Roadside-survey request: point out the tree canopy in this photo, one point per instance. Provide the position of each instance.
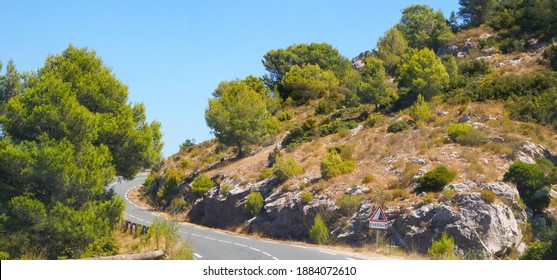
(239, 116)
(423, 27)
(68, 131)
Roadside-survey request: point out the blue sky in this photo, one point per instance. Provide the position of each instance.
(173, 54)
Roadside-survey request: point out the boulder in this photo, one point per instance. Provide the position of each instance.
(530, 151)
(286, 217)
(462, 187)
(474, 224)
(226, 211)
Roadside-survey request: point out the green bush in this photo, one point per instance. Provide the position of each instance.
(266, 173)
(4, 255)
(368, 179)
(201, 185)
(442, 249)
(348, 204)
(531, 183)
(336, 126)
(306, 197)
(538, 250)
(318, 233)
(475, 67)
(420, 110)
(449, 193)
(185, 163)
(225, 189)
(286, 168)
(488, 196)
(398, 127)
(333, 165)
(177, 206)
(464, 134)
(326, 107)
(509, 45)
(435, 180)
(254, 203)
(105, 246)
(285, 115)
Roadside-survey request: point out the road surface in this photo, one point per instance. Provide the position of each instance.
(215, 245)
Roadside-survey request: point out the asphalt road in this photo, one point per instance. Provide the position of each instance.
(215, 245)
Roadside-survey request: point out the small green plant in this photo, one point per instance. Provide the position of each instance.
(201, 184)
(225, 189)
(4, 255)
(348, 204)
(266, 173)
(488, 196)
(464, 134)
(254, 203)
(185, 163)
(306, 197)
(435, 180)
(286, 168)
(285, 115)
(337, 161)
(105, 246)
(368, 179)
(398, 127)
(449, 193)
(442, 249)
(420, 110)
(531, 183)
(177, 206)
(318, 233)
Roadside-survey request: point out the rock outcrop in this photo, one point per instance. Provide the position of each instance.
(285, 216)
(474, 224)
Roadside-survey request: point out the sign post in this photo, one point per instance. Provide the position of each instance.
(378, 221)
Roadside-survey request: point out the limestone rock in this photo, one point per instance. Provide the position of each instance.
(473, 223)
(531, 151)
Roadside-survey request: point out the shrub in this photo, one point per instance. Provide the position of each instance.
(334, 165)
(254, 203)
(509, 45)
(225, 189)
(105, 246)
(435, 180)
(335, 126)
(531, 183)
(285, 115)
(188, 143)
(464, 134)
(185, 163)
(306, 197)
(488, 196)
(398, 127)
(449, 193)
(475, 67)
(348, 204)
(318, 233)
(4, 255)
(266, 173)
(537, 250)
(420, 110)
(368, 179)
(201, 185)
(326, 107)
(284, 169)
(442, 248)
(177, 206)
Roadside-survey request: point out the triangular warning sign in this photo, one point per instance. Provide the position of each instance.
(378, 215)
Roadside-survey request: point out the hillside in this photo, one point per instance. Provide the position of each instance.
(452, 135)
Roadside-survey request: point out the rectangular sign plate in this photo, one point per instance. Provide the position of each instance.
(377, 225)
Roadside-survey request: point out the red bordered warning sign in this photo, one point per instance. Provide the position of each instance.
(378, 219)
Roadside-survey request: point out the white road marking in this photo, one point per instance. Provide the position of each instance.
(299, 246)
(255, 249)
(243, 237)
(325, 252)
(351, 259)
(196, 235)
(267, 254)
(210, 238)
(275, 258)
(223, 241)
(241, 245)
(197, 255)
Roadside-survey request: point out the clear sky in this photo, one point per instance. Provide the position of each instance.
(173, 54)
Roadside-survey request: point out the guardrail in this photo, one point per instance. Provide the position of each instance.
(133, 227)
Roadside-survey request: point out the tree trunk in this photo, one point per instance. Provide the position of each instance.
(240, 150)
(143, 256)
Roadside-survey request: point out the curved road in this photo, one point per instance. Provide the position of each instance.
(215, 245)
